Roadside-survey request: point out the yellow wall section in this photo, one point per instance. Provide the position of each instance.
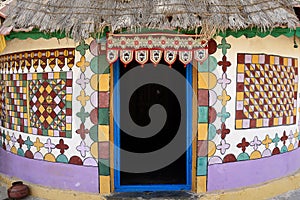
(201, 184)
(103, 133)
(94, 149)
(264, 191)
(202, 131)
(104, 184)
(30, 44)
(206, 80)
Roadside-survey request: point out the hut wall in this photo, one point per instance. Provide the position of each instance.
(253, 112)
(247, 113)
(46, 129)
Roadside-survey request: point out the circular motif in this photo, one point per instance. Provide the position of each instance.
(211, 148)
(209, 65)
(62, 159)
(213, 97)
(94, 99)
(284, 149)
(229, 158)
(212, 46)
(99, 65)
(255, 155)
(20, 152)
(276, 151)
(215, 160)
(28, 154)
(94, 133)
(90, 162)
(291, 147)
(94, 116)
(94, 150)
(7, 147)
(243, 156)
(49, 157)
(94, 82)
(207, 80)
(267, 153)
(13, 150)
(94, 48)
(212, 115)
(75, 160)
(212, 131)
(38, 156)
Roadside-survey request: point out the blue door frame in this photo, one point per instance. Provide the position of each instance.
(162, 187)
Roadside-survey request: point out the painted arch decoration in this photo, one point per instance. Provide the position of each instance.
(154, 47)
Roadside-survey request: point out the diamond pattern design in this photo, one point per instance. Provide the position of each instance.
(50, 104)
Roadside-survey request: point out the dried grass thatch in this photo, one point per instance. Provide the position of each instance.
(80, 18)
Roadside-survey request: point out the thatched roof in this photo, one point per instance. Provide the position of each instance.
(80, 18)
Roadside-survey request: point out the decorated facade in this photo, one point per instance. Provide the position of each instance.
(61, 104)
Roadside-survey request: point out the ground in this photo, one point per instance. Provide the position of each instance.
(3, 194)
(292, 195)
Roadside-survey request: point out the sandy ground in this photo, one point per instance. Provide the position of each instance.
(292, 195)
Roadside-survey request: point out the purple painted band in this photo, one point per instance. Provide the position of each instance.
(55, 175)
(246, 173)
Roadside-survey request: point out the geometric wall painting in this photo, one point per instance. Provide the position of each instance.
(16, 102)
(37, 103)
(267, 88)
(2, 100)
(50, 104)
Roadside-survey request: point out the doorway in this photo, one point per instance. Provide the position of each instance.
(175, 175)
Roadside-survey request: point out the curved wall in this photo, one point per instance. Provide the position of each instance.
(254, 135)
(241, 141)
(44, 141)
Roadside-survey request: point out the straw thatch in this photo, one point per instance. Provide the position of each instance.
(80, 18)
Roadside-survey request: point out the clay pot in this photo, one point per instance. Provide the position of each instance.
(18, 190)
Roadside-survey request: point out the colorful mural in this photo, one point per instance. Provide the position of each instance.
(37, 60)
(55, 112)
(40, 104)
(266, 91)
(206, 113)
(93, 101)
(266, 96)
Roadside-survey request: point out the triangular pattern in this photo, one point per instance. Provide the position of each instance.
(269, 90)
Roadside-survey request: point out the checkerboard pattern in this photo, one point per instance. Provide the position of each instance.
(2, 100)
(16, 102)
(266, 91)
(37, 103)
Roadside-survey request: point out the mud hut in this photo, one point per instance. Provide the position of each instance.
(105, 96)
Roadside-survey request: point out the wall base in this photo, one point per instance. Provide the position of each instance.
(263, 191)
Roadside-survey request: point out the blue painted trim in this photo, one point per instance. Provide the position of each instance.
(189, 122)
(144, 188)
(163, 187)
(116, 110)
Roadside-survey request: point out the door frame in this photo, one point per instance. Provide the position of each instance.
(189, 123)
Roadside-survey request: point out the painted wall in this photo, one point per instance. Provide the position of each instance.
(227, 149)
(252, 141)
(46, 114)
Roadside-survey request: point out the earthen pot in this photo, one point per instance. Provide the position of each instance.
(18, 190)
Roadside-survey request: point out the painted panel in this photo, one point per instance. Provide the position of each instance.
(38, 103)
(266, 91)
(233, 141)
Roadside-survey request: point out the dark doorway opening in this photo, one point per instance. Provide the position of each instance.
(141, 101)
